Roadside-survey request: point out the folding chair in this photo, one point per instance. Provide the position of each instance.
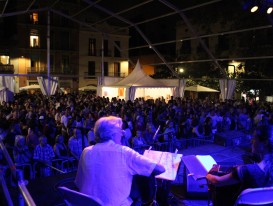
(256, 196)
(74, 198)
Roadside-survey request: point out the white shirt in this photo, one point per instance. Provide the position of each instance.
(106, 171)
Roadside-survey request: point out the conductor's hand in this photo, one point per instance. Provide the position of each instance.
(214, 169)
(158, 170)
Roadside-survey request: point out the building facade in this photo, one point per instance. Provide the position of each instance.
(51, 44)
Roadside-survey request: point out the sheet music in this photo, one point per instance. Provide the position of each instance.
(207, 161)
(198, 165)
(169, 160)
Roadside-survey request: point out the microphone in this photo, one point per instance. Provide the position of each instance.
(156, 132)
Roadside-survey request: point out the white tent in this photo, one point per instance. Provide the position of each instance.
(138, 84)
(88, 88)
(30, 87)
(199, 88)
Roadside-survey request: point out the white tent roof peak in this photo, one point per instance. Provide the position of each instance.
(138, 78)
(199, 88)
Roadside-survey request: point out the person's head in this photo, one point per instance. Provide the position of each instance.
(43, 140)
(262, 141)
(139, 133)
(59, 139)
(108, 128)
(20, 141)
(77, 132)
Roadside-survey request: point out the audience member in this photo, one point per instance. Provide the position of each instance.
(138, 142)
(76, 143)
(43, 155)
(60, 148)
(21, 152)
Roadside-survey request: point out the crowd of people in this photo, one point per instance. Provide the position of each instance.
(37, 129)
(40, 128)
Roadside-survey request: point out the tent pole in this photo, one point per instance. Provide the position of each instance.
(48, 54)
(102, 60)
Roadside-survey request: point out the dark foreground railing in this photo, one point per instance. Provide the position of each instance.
(24, 196)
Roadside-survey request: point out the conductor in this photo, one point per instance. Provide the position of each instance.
(106, 169)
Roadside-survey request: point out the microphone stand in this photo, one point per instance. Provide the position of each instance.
(154, 202)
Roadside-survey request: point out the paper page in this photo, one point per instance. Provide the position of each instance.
(153, 155)
(207, 161)
(170, 161)
(198, 165)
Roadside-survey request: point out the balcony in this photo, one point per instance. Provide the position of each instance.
(43, 70)
(6, 69)
(109, 74)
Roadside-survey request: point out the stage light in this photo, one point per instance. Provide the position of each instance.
(269, 10)
(254, 8)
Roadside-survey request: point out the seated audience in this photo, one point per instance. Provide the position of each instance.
(21, 152)
(60, 149)
(43, 155)
(138, 142)
(76, 143)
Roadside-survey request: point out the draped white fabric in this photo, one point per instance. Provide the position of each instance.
(48, 87)
(182, 85)
(154, 92)
(136, 92)
(6, 95)
(8, 82)
(100, 81)
(112, 92)
(227, 87)
(99, 91)
(7, 88)
(132, 93)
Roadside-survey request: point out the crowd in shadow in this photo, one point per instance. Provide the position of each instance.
(50, 132)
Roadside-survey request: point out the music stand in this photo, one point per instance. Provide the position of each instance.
(171, 162)
(75, 198)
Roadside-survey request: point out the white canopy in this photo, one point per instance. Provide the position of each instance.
(138, 78)
(138, 84)
(29, 87)
(87, 88)
(199, 88)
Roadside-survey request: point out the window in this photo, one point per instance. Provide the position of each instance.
(117, 50)
(105, 46)
(65, 42)
(105, 69)
(92, 47)
(185, 47)
(91, 68)
(4, 59)
(34, 41)
(35, 64)
(52, 68)
(200, 48)
(116, 69)
(52, 40)
(34, 18)
(65, 64)
(223, 43)
(34, 38)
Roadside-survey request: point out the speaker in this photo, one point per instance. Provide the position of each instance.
(195, 188)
